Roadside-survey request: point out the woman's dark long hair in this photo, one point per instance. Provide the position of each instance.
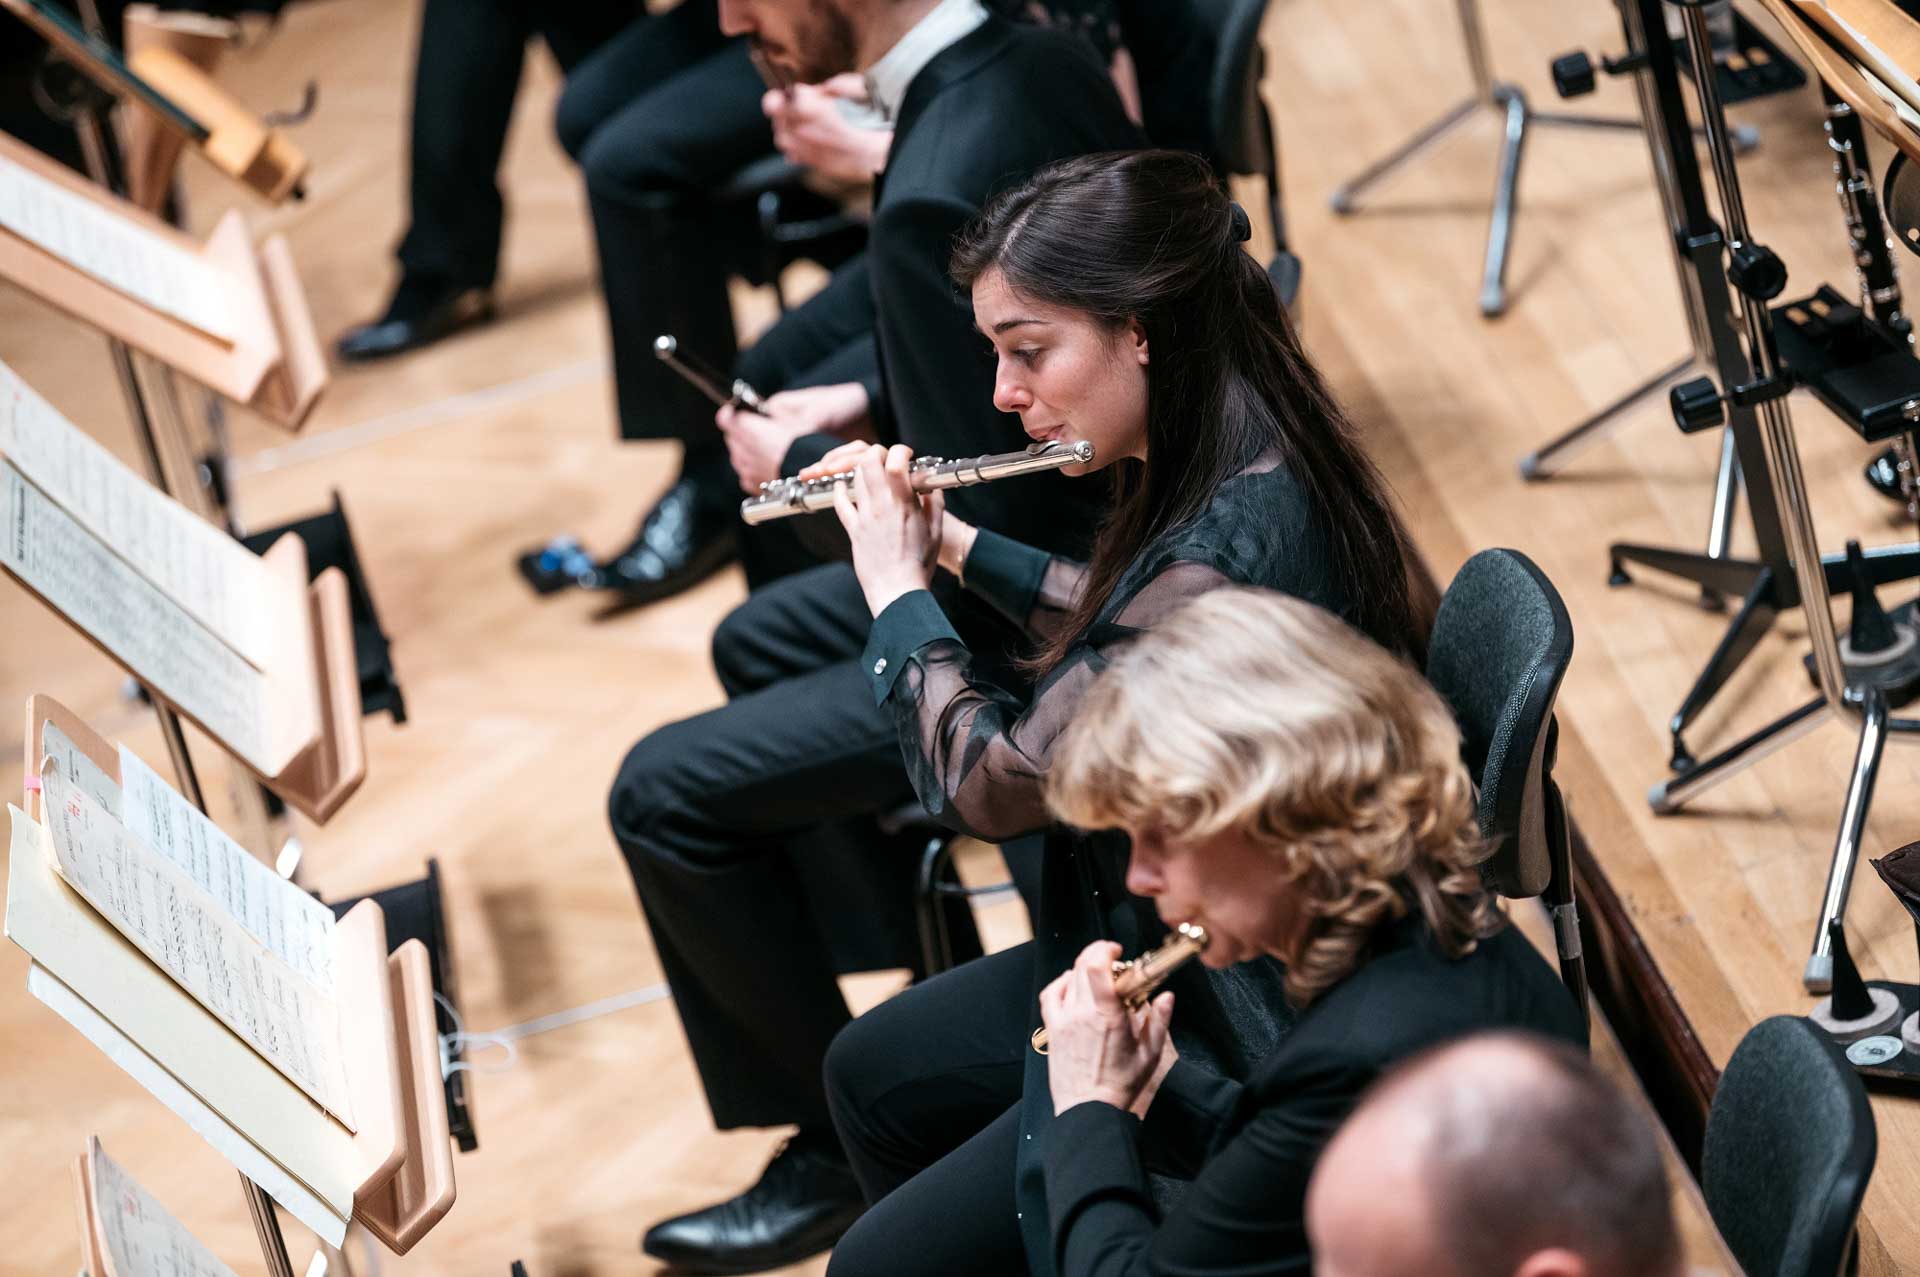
(1150, 236)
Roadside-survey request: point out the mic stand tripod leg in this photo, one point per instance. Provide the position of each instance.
(1506, 201)
(1818, 976)
(1669, 796)
(1726, 500)
(1546, 460)
(1346, 199)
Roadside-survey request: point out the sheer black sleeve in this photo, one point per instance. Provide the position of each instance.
(1030, 587)
(977, 758)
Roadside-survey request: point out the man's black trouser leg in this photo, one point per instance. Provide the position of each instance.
(466, 74)
(708, 813)
(666, 245)
(924, 1091)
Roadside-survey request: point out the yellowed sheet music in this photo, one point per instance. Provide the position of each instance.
(129, 616)
(118, 253)
(151, 902)
(140, 1237)
(94, 783)
(293, 926)
(245, 1108)
(222, 583)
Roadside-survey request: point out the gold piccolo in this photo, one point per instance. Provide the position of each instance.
(782, 497)
(1136, 981)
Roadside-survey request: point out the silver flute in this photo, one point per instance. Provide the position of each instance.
(782, 497)
(667, 350)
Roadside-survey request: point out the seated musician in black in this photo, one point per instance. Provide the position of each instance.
(1298, 792)
(1124, 312)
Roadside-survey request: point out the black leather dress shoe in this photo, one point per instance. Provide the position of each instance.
(804, 1201)
(422, 312)
(1883, 476)
(691, 534)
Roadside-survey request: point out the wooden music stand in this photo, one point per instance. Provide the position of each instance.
(172, 92)
(304, 739)
(394, 1174)
(270, 359)
(149, 148)
(1846, 41)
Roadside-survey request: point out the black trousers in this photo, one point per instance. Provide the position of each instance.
(745, 831)
(659, 119)
(465, 76)
(924, 1091)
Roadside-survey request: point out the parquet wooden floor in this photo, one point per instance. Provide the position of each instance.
(452, 460)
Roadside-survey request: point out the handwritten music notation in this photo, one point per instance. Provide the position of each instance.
(204, 949)
(140, 1236)
(293, 926)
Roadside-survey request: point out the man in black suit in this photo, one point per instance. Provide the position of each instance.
(707, 811)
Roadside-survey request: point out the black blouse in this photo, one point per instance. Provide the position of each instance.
(1251, 1148)
(977, 754)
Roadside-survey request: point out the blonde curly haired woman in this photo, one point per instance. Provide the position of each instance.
(1298, 791)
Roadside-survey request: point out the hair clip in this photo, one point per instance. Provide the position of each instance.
(1242, 224)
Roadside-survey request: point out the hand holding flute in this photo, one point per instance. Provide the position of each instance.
(1106, 1037)
(759, 429)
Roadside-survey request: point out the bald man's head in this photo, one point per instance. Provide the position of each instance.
(1502, 1155)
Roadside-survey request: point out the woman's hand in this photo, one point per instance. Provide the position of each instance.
(810, 130)
(894, 531)
(757, 443)
(841, 460)
(1096, 1048)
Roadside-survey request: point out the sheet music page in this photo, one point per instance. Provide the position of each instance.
(294, 926)
(292, 1025)
(126, 257)
(154, 636)
(93, 782)
(142, 1239)
(218, 580)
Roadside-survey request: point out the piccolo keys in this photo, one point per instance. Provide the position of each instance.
(1136, 981)
(782, 497)
(667, 350)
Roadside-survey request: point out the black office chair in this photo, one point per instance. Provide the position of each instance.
(796, 222)
(1500, 647)
(1789, 1149)
(1243, 138)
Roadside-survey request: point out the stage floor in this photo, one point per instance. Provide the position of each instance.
(453, 460)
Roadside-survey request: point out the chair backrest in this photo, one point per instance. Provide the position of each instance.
(1238, 121)
(1789, 1148)
(1501, 644)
